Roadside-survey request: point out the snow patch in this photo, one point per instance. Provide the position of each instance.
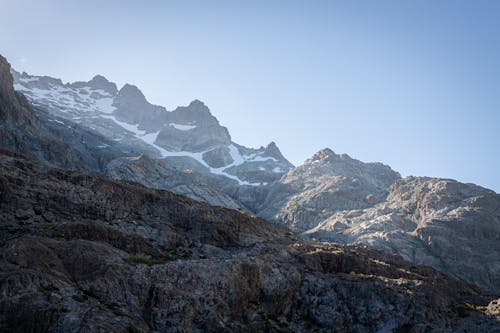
(131, 128)
(28, 79)
(56, 121)
(182, 127)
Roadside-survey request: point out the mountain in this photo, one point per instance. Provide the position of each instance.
(65, 143)
(442, 223)
(21, 130)
(91, 240)
(156, 173)
(188, 137)
(451, 226)
(83, 253)
(324, 184)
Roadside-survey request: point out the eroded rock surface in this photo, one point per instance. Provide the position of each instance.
(82, 253)
(324, 184)
(451, 226)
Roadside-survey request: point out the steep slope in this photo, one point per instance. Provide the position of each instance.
(190, 137)
(451, 226)
(156, 173)
(61, 142)
(82, 253)
(21, 130)
(324, 184)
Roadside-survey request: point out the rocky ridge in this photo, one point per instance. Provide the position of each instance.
(156, 173)
(451, 226)
(324, 184)
(83, 253)
(191, 137)
(64, 143)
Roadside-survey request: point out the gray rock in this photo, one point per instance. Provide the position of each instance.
(120, 257)
(451, 226)
(189, 134)
(157, 174)
(324, 184)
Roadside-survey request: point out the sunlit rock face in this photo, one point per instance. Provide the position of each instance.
(442, 223)
(324, 184)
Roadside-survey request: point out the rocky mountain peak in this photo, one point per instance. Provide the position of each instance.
(272, 150)
(100, 82)
(327, 155)
(131, 92)
(6, 81)
(324, 184)
(14, 108)
(197, 104)
(196, 111)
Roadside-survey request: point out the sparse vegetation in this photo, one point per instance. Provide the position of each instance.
(48, 288)
(479, 308)
(119, 312)
(80, 298)
(147, 260)
(464, 310)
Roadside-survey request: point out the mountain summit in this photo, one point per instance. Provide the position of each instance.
(189, 136)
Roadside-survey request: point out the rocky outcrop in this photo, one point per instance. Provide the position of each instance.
(82, 253)
(451, 226)
(21, 131)
(324, 184)
(157, 174)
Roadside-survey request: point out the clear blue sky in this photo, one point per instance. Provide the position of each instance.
(414, 84)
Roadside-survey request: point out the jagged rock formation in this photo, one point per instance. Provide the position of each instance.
(82, 253)
(451, 226)
(190, 137)
(324, 184)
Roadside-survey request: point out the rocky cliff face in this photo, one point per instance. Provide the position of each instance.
(324, 184)
(451, 226)
(445, 224)
(82, 253)
(189, 137)
(21, 130)
(157, 174)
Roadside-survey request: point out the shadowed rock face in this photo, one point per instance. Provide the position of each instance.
(20, 129)
(82, 253)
